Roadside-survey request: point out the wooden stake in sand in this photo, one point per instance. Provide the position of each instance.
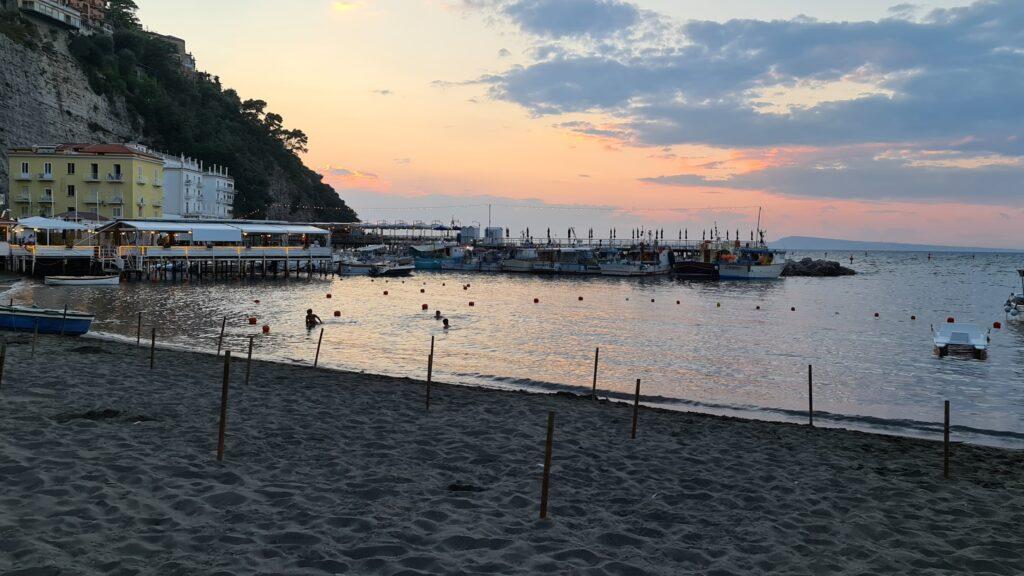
(945, 443)
(138, 332)
(3, 360)
(430, 370)
(63, 319)
(152, 347)
(318, 341)
(810, 395)
(248, 362)
(220, 341)
(636, 408)
(224, 405)
(597, 354)
(546, 482)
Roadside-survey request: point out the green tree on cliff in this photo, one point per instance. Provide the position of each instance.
(121, 14)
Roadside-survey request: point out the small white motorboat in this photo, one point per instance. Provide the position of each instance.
(961, 336)
(1015, 303)
(113, 280)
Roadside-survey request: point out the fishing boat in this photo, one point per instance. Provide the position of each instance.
(640, 262)
(961, 336)
(522, 260)
(1015, 303)
(402, 266)
(46, 321)
(112, 280)
(751, 263)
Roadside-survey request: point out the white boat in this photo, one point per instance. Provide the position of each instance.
(961, 336)
(642, 262)
(82, 280)
(522, 260)
(746, 262)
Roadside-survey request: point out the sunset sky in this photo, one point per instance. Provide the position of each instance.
(858, 120)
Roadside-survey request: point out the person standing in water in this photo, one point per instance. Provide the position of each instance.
(312, 319)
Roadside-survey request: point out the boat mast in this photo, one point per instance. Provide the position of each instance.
(759, 221)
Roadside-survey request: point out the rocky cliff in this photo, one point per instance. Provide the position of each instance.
(45, 98)
(56, 87)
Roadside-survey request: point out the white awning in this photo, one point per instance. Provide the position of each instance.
(279, 229)
(158, 226)
(215, 233)
(40, 223)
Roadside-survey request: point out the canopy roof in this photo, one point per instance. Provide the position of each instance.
(41, 223)
(216, 231)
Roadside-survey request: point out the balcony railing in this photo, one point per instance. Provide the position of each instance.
(45, 176)
(46, 198)
(24, 176)
(116, 177)
(115, 200)
(141, 180)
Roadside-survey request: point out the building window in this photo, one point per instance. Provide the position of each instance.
(48, 169)
(71, 189)
(71, 168)
(116, 211)
(24, 167)
(94, 171)
(47, 192)
(117, 170)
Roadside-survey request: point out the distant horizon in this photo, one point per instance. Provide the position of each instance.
(876, 246)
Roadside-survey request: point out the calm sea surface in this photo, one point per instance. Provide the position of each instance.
(869, 373)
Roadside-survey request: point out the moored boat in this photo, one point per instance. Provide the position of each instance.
(46, 321)
(958, 335)
(112, 280)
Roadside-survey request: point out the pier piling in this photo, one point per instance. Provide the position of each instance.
(224, 405)
(636, 409)
(597, 355)
(138, 332)
(945, 442)
(152, 347)
(810, 395)
(546, 481)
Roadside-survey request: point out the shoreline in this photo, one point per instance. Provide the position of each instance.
(110, 468)
(921, 430)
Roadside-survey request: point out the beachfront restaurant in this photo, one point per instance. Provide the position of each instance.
(214, 239)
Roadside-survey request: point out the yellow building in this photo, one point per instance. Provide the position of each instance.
(112, 180)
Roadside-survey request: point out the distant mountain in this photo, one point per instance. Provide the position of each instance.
(812, 243)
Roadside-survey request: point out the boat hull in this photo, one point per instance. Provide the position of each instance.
(24, 319)
(750, 271)
(82, 280)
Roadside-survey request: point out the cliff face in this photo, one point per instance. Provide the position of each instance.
(45, 99)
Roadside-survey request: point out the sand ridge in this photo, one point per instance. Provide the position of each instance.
(109, 468)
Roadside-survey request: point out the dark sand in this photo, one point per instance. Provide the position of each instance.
(107, 467)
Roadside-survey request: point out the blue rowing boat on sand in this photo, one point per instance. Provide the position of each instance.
(31, 318)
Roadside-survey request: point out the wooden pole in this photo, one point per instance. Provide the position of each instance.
(3, 360)
(248, 362)
(318, 341)
(220, 341)
(63, 319)
(636, 408)
(546, 482)
(430, 370)
(810, 395)
(224, 405)
(945, 443)
(597, 354)
(138, 332)
(152, 347)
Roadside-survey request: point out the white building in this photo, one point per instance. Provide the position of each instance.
(194, 191)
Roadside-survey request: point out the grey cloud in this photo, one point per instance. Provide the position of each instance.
(557, 18)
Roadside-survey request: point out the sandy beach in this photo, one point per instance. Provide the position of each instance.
(107, 467)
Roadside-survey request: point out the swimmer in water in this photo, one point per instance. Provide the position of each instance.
(437, 315)
(445, 322)
(312, 319)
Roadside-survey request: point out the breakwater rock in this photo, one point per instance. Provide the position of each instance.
(812, 267)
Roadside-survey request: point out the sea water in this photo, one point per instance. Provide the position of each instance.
(738, 348)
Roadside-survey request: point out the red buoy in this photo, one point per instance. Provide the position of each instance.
(580, 298)
(472, 303)
(422, 290)
(997, 325)
(950, 320)
(913, 317)
(385, 292)
(465, 287)
(425, 307)
(266, 329)
(757, 308)
(536, 300)
(792, 308)
(328, 295)
(652, 299)
(337, 313)
(876, 314)
(252, 320)
(256, 301)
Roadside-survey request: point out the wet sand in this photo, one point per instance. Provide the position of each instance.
(107, 467)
